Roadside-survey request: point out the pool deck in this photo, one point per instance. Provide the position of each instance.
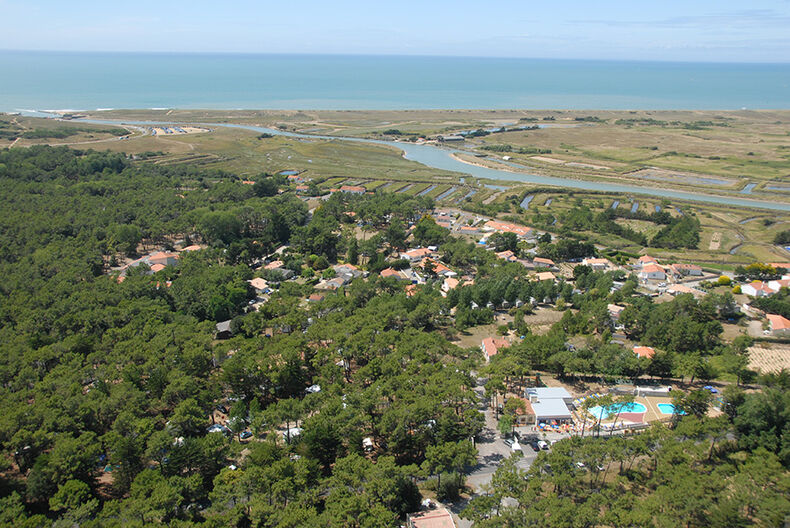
(651, 414)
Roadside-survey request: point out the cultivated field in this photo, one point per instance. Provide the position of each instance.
(769, 357)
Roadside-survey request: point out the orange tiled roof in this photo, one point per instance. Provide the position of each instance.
(644, 351)
(652, 268)
(508, 228)
(390, 272)
(778, 322)
(493, 344)
(541, 260)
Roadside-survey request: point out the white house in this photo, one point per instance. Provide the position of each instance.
(598, 264)
(450, 283)
(652, 272)
(777, 285)
(683, 270)
(757, 289)
(644, 260)
(779, 325)
(491, 345)
(415, 255)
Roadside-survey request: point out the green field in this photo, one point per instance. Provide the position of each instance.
(23, 131)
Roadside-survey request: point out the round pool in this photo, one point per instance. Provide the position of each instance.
(668, 408)
(603, 413)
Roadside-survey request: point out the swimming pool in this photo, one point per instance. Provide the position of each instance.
(668, 408)
(605, 412)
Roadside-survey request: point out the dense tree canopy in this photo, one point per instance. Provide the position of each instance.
(102, 378)
(325, 412)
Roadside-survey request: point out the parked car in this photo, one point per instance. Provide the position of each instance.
(508, 442)
(543, 445)
(222, 409)
(535, 446)
(245, 435)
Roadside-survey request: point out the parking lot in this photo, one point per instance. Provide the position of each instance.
(492, 449)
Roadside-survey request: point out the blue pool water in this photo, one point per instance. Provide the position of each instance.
(668, 408)
(604, 412)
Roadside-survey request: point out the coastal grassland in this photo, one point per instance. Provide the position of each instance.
(370, 123)
(649, 229)
(352, 123)
(242, 152)
(21, 131)
(737, 147)
(683, 149)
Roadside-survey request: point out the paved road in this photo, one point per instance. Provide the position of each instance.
(491, 451)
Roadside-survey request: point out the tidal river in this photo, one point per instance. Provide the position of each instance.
(442, 158)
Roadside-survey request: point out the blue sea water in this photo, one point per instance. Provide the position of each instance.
(85, 81)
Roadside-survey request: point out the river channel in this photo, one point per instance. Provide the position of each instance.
(442, 158)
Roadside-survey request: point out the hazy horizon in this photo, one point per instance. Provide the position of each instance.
(394, 55)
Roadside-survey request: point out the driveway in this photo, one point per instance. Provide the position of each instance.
(756, 328)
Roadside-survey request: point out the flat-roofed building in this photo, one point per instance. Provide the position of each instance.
(550, 404)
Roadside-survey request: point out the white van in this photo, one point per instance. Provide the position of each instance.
(543, 445)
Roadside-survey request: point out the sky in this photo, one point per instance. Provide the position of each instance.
(667, 30)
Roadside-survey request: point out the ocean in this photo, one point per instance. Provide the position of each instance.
(87, 81)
